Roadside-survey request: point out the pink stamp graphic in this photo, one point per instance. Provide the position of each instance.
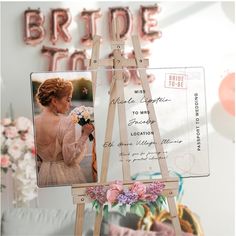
(176, 81)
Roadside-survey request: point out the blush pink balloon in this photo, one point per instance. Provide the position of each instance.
(124, 15)
(226, 93)
(34, 32)
(60, 21)
(148, 23)
(54, 55)
(77, 60)
(90, 18)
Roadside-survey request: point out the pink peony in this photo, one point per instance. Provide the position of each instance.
(114, 190)
(139, 188)
(5, 161)
(11, 132)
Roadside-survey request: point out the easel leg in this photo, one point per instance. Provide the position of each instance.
(97, 225)
(174, 215)
(79, 219)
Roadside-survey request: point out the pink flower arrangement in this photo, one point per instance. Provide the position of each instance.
(134, 196)
(18, 155)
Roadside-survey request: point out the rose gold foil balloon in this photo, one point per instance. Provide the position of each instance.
(60, 21)
(34, 32)
(54, 55)
(77, 60)
(124, 15)
(227, 93)
(147, 23)
(90, 18)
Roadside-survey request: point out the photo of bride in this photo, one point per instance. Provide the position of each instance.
(64, 129)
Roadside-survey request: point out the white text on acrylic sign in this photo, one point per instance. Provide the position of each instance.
(35, 31)
(179, 100)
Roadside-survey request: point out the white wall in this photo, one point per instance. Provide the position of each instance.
(194, 34)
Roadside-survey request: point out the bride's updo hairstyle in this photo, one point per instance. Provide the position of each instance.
(53, 88)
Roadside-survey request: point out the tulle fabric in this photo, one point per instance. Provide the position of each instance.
(61, 158)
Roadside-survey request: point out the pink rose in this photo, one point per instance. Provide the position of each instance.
(114, 190)
(138, 188)
(11, 132)
(5, 161)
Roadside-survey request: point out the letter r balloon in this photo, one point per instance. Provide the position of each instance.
(60, 21)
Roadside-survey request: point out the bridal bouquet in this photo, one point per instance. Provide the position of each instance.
(82, 116)
(17, 155)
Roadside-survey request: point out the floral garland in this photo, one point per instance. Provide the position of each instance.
(134, 197)
(18, 155)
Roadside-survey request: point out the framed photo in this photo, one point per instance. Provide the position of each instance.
(62, 104)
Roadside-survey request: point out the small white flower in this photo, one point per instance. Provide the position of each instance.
(11, 132)
(81, 109)
(6, 121)
(90, 110)
(86, 115)
(23, 124)
(16, 148)
(29, 141)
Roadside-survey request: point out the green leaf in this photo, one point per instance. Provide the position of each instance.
(122, 209)
(137, 209)
(152, 208)
(96, 205)
(141, 202)
(105, 212)
(160, 202)
(4, 169)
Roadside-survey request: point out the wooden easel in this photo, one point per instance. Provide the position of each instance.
(117, 90)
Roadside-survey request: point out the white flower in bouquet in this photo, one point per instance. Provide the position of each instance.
(6, 121)
(27, 193)
(29, 141)
(16, 148)
(81, 109)
(23, 124)
(11, 132)
(86, 115)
